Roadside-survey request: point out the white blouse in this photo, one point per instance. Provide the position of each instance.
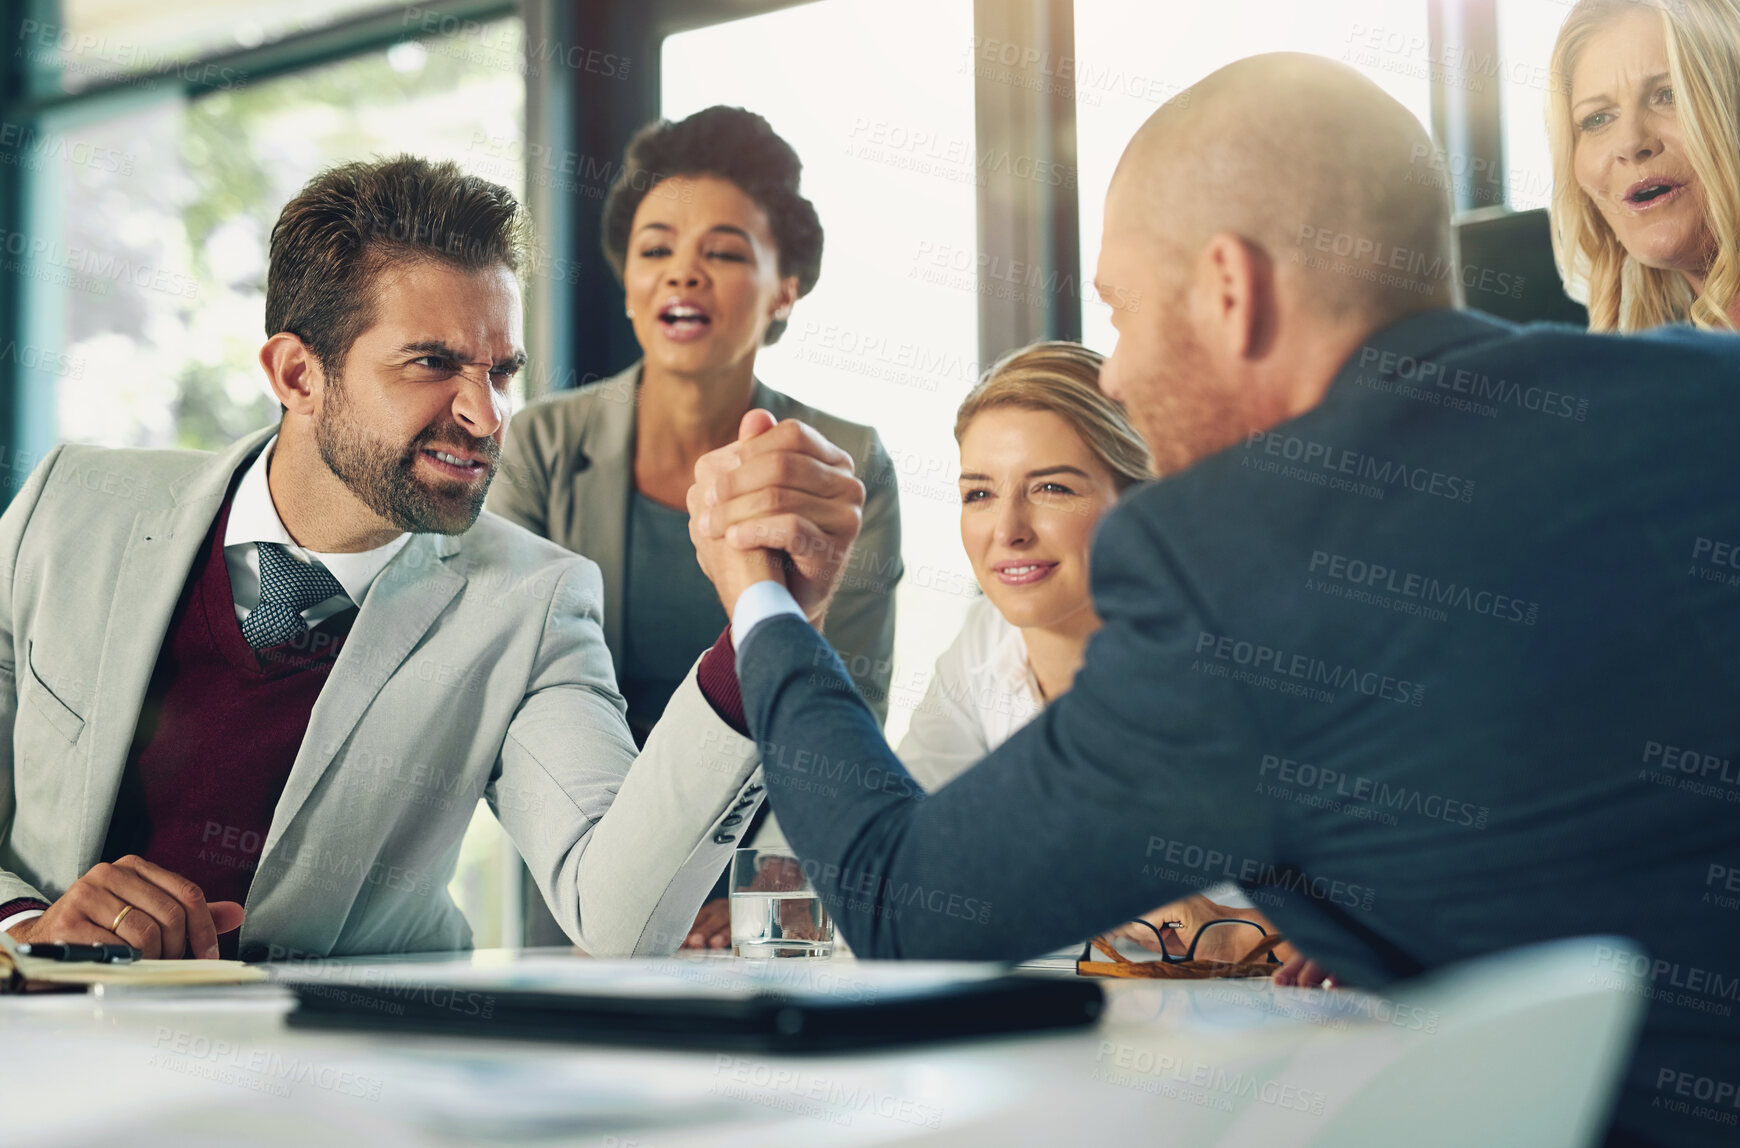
(983, 690)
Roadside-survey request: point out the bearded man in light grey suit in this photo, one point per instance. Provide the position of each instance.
(285, 674)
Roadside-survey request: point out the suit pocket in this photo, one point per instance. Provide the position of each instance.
(60, 715)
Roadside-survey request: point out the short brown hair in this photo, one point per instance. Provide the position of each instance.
(1063, 378)
(353, 221)
(734, 145)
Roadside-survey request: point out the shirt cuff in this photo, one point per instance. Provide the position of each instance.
(761, 601)
(18, 911)
(717, 677)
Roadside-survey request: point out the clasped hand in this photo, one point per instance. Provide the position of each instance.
(780, 503)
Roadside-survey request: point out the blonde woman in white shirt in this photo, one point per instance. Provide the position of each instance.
(1043, 455)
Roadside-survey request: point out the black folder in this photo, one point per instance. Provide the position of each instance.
(711, 1005)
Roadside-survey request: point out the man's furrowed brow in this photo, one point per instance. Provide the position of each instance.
(434, 347)
(516, 360)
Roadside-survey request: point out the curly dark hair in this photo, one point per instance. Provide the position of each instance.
(732, 144)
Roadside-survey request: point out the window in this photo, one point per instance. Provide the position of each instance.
(883, 121)
(96, 41)
(1526, 31)
(158, 248)
(1130, 59)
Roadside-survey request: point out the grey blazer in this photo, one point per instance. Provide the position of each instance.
(568, 470)
(476, 668)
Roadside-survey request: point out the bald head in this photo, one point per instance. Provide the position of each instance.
(1258, 229)
(1315, 165)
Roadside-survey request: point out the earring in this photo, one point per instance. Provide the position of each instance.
(629, 312)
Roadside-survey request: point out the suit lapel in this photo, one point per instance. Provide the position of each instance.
(398, 611)
(155, 567)
(601, 493)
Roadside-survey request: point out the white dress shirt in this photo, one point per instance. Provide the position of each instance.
(759, 602)
(254, 518)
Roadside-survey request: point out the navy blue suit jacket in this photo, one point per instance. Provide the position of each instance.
(1447, 665)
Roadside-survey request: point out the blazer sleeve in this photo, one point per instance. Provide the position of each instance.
(1125, 793)
(624, 849)
(860, 623)
(520, 492)
(14, 567)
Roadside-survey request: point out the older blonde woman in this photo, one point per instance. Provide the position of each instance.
(1644, 120)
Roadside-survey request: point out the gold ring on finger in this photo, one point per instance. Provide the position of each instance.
(119, 917)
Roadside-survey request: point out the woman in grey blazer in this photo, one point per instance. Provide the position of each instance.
(713, 243)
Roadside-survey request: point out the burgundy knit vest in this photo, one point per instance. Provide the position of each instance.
(218, 733)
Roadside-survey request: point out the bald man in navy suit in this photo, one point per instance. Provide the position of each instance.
(1427, 640)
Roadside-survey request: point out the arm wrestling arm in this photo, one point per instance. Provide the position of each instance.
(622, 847)
(860, 620)
(1122, 795)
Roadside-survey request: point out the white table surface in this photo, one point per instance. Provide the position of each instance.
(1168, 1061)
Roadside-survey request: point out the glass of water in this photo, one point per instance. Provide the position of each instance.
(775, 911)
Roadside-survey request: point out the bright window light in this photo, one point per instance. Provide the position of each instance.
(1131, 58)
(882, 117)
(1526, 30)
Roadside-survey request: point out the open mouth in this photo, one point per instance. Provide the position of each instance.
(684, 321)
(1651, 192)
(455, 465)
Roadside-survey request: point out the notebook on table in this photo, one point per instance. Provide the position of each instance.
(19, 973)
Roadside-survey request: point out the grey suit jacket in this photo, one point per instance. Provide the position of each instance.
(476, 668)
(568, 471)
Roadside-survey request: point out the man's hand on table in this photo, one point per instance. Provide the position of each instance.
(1305, 973)
(780, 503)
(162, 914)
(712, 927)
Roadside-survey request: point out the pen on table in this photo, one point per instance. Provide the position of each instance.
(102, 954)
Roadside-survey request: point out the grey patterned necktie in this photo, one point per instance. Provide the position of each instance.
(287, 587)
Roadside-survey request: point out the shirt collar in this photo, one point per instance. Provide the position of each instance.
(254, 518)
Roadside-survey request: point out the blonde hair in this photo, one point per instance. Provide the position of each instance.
(1063, 378)
(1703, 45)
